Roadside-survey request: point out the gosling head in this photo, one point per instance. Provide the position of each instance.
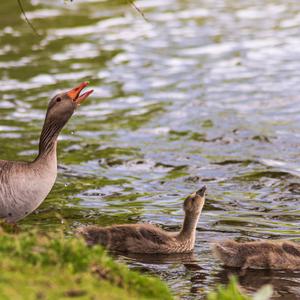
(62, 106)
(193, 204)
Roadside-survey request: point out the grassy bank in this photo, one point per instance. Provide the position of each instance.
(41, 266)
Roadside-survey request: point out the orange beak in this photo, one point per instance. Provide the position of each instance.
(75, 96)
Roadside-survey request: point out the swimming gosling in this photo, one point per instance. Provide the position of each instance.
(25, 185)
(259, 255)
(147, 238)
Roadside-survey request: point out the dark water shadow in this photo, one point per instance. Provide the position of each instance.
(189, 259)
(286, 284)
(171, 266)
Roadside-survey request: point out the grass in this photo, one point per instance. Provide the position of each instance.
(50, 266)
(233, 291)
(41, 266)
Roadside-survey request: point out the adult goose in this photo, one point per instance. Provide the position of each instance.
(24, 185)
(147, 238)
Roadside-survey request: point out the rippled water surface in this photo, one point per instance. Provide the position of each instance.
(206, 91)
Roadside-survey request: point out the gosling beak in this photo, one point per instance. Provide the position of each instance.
(202, 191)
(75, 96)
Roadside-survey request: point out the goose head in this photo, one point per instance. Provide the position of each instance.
(62, 106)
(193, 204)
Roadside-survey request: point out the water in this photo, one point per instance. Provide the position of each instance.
(205, 92)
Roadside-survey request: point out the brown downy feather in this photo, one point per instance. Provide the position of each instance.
(259, 255)
(147, 238)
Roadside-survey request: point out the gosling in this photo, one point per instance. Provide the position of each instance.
(147, 238)
(275, 255)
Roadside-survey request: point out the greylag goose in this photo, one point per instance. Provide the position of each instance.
(259, 255)
(147, 238)
(24, 185)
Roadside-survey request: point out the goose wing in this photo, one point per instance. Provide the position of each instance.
(291, 248)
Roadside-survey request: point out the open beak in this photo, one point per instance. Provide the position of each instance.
(75, 95)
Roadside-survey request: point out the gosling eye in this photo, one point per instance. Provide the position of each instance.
(58, 99)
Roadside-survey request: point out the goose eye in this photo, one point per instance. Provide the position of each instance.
(58, 99)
